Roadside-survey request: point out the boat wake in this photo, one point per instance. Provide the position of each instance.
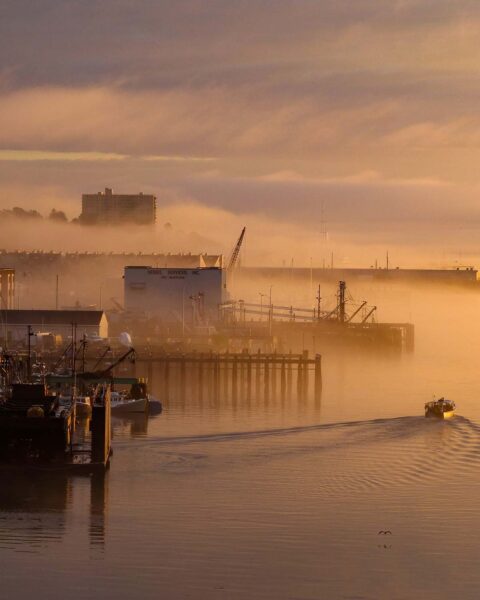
(355, 455)
(261, 433)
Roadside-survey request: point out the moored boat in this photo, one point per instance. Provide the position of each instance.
(121, 403)
(33, 424)
(137, 400)
(441, 409)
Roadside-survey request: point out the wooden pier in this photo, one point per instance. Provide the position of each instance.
(239, 374)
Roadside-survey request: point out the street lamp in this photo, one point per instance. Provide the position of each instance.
(271, 310)
(262, 296)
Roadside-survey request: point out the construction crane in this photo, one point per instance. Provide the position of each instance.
(236, 251)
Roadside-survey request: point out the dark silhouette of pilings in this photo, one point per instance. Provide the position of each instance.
(238, 374)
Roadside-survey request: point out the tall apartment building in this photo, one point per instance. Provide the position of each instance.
(113, 209)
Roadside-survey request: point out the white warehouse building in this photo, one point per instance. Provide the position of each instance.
(175, 294)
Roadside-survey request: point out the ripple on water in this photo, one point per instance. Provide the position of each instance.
(360, 455)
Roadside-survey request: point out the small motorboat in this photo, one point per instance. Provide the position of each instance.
(441, 409)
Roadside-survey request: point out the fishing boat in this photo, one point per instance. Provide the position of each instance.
(33, 424)
(441, 409)
(137, 400)
(122, 403)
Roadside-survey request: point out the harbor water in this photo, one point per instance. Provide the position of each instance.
(352, 496)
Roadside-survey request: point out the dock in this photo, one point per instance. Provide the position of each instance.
(240, 374)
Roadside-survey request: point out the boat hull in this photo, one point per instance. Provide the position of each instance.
(440, 415)
(130, 406)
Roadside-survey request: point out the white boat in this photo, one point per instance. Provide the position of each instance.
(121, 403)
(137, 400)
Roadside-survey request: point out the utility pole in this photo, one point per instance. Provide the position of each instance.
(311, 276)
(84, 347)
(29, 358)
(56, 293)
(341, 301)
(262, 296)
(319, 299)
(271, 310)
(183, 312)
(74, 361)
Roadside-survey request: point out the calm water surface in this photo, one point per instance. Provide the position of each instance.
(217, 498)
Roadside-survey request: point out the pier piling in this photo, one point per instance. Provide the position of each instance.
(236, 369)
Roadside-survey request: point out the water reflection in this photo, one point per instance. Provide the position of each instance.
(34, 507)
(225, 397)
(98, 507)
(134, 425)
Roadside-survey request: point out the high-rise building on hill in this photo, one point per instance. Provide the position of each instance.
(112, 209)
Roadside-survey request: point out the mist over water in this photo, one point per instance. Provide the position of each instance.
(341, 134)
(265, 497)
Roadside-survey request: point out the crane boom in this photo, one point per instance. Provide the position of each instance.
(236, 251)
(350, 318)
(364, 320)
(107, 372)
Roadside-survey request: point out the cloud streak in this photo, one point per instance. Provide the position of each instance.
(262, 110)
(43, 155)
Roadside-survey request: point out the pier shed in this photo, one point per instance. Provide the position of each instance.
(14, 323)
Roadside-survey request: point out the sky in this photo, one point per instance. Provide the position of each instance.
(272, 113)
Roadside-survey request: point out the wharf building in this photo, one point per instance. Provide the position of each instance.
(45, 262)
(174, 294)
(14, 324)
(107, 208)
(89, 277)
